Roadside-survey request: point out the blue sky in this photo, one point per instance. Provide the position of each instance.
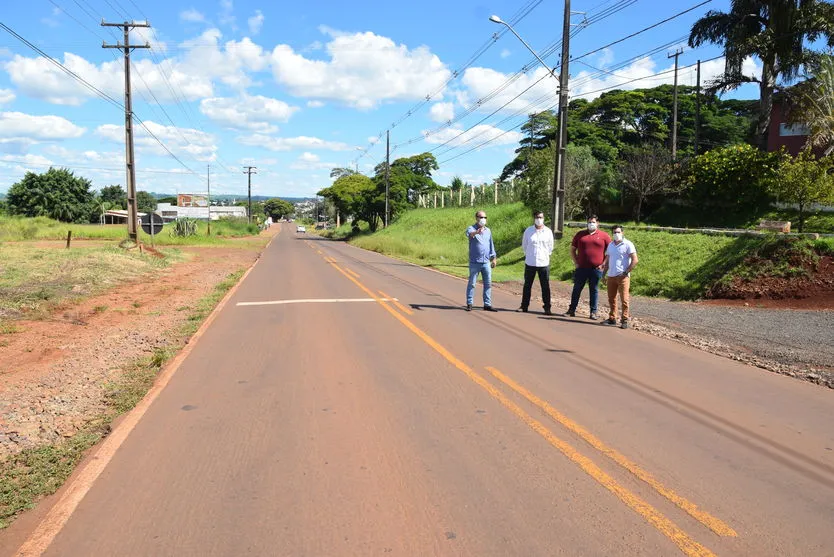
(296, 88)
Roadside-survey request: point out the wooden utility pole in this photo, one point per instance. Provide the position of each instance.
(387, 173)
(208, 188)
(251, 170)
(698, 108)
(676, 55)
(130, 167)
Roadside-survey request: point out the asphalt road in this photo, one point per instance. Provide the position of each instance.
(412, 427)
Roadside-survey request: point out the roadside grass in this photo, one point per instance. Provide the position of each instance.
(675, 266)
(693, 217)
(35, 280)
(27, 477)
(18, 229)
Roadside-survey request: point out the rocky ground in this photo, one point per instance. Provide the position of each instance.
(54, 372)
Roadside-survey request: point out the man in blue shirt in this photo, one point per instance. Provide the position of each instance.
(482, 259)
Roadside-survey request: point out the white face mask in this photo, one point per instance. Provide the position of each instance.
(618, 236)
(539, 222)
(482, 222)
(592, 226)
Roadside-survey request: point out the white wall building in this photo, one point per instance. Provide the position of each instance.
(170, 212)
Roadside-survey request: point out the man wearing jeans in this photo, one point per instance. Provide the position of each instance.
(588, 253)
(620, 260)
(482, 259)
(537, 244)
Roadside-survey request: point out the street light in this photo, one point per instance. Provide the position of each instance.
(558, 198)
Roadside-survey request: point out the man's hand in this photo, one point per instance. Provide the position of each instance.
(493, 263)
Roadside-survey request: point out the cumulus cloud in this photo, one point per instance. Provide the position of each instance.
(199, 144)
(291, 143)
(315, 104)
(457, 137)
(311, 161)
(192, 15)
(442, 112)
(6, 96)
(256, 22)
(14, 125)
(364, 69)
(227, 13)
(255, 113)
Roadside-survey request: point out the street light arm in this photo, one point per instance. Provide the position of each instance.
(551, 71)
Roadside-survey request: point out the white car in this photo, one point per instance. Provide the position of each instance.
(301, 229)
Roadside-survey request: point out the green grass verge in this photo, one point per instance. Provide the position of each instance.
(676, 266)
(16, 229)
(36, 472)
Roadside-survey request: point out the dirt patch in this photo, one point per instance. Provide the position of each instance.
(54, 373)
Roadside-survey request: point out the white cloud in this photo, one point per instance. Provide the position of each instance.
(6, 96)
(505, 53)
(315, 104)
(230, 63)
(364, 69)
(311, 161)
(198, 144)
(373, 140)
(290, 143)
(226, 13)
(255, 113)
(442, 112)
(475, 136)
(309, 157)
(256, 22)
(192, 15)
(27, 160)
(15, 125)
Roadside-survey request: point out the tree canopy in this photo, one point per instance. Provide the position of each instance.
(56, 193)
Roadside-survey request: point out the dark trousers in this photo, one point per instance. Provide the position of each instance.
(580, 276)
(530, 273)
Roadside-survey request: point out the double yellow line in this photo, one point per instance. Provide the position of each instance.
(682, 539)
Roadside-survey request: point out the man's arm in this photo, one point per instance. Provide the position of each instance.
(472, 231)
(550, 241)
(524, 242)
(633, 263)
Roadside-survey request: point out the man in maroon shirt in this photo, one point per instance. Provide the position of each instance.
(588, 252)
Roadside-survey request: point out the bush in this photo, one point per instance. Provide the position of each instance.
(731, 180)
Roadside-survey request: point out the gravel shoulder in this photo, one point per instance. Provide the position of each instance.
(799, 343)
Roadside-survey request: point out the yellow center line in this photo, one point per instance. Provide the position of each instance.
(404, 309)
(711, 522)
(679, 537)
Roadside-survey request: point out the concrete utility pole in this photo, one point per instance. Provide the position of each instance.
(560, 178)
(698, 108)
(250, 170)
(387, 173)
(130, 167)
(676, 55)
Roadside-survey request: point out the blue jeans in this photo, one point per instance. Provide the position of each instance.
(485, 270)
(580, 277)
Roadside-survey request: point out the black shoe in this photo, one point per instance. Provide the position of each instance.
(489, 308)
(570, 313)
(610, 321)
(521, 310)
(624, 324)
(548, 312)
(468, 307)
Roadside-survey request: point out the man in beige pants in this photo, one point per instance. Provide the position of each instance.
(620, 260)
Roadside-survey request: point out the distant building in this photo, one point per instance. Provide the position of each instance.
(170, 212)
(793, 137)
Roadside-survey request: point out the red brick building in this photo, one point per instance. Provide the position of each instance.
(792, 137)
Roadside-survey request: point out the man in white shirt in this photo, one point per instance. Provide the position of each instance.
(537, 243)
(620, 260)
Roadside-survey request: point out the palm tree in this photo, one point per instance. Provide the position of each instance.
(812, 104)
(776, 32)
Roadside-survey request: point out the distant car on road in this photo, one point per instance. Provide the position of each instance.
(301, 229)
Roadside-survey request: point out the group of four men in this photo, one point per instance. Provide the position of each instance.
(593, 253)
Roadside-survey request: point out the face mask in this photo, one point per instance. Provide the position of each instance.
(482, 222)
(539, 222)
(618, 236)
(592, 226)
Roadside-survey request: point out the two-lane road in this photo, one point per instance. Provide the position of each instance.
(343, 403)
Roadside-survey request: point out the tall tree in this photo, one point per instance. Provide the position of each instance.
(114, 195)
(145, 202)
(647, 172)
(337, 173)
(278, 208)
(57, 193)
(776, 32)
